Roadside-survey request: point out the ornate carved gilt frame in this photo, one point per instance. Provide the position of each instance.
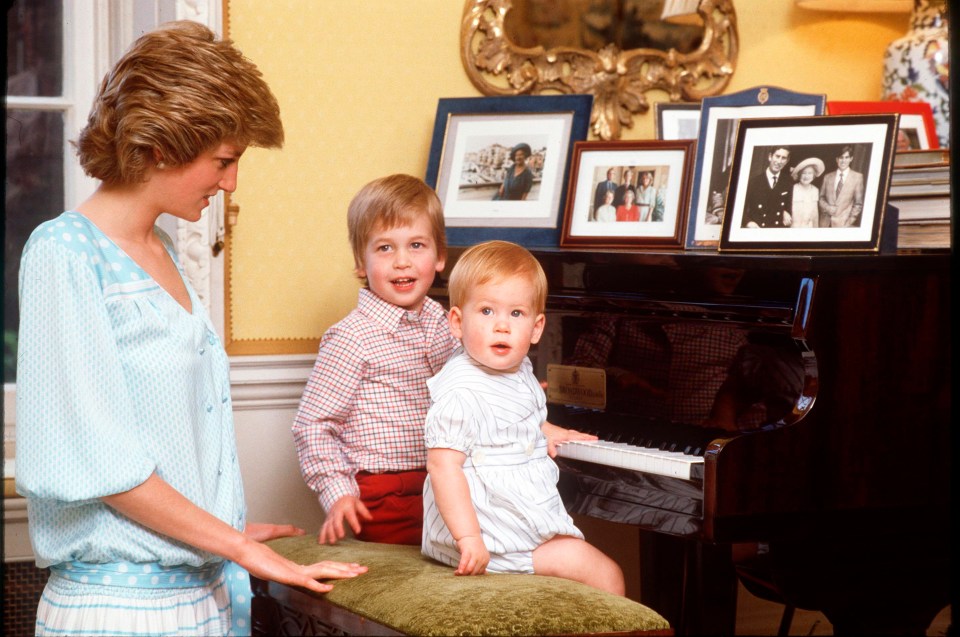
(618, 80)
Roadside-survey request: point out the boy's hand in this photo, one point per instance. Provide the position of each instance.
(558, 435)
(348, 508)
(474, 556)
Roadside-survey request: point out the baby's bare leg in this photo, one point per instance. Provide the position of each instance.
(573, 558)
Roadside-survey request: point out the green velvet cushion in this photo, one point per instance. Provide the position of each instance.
(417, 596)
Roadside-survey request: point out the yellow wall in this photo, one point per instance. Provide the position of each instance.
(358, 83)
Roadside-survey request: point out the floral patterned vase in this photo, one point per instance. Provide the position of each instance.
(917, 66)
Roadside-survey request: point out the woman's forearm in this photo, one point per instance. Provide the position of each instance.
(158, 506)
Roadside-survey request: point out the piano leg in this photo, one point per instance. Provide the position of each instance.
(692, 584)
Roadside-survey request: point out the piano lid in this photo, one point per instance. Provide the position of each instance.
(698, 340)
(717, 346)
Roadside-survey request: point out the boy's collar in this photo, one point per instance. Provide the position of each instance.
(387, 313)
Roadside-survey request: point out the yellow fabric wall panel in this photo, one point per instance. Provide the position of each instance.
(836, 53)
(358, 83)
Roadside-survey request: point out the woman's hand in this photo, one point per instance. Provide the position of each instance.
(158, 506)
(263, 562)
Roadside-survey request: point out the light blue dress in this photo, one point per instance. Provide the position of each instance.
(115, 381)
(494, 418)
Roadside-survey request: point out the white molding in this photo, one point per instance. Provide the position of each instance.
(9, 404)
(268, 382)
(194, 242)
(16, 536)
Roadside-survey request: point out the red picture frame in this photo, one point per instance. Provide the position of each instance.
(916, 127)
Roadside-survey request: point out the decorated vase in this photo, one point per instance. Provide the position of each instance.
(917, 66)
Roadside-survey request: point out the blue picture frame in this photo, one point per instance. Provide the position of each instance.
(719, 118)
(472, 216)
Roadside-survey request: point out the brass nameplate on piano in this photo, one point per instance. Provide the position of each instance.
(580, 386)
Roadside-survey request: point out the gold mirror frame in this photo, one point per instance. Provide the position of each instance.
(618, 80)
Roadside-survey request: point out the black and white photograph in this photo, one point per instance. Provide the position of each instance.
(628, 194)
(719, 117)
(815, 183)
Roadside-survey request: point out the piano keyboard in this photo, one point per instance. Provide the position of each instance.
(624, 456)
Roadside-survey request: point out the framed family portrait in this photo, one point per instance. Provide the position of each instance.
(916, 130)
(676, 120)
(715, 149)
(809, 184)
(500, 165)
(628, 194)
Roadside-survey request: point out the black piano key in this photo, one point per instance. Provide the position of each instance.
(691, 439)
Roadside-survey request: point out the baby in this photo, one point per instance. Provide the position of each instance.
(490, 499)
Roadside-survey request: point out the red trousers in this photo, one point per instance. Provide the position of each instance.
(395, 500)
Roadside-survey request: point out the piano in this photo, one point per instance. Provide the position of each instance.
(792, 408)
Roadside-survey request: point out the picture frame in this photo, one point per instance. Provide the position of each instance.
(647, 206)
(838, 217)
(715, 147)
(676, 120)
(476, 139)
(917, 129)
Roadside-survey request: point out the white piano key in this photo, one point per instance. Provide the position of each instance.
(625, 456)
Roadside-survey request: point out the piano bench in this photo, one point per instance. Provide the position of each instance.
(405, 593)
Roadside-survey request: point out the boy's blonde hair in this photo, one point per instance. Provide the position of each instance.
(176, 93)
(391, 201)
(492, 261)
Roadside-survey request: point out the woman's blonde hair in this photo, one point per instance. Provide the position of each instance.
(389, 202)
(493, 261)
(175, 94)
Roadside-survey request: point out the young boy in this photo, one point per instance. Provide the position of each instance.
(359, 427)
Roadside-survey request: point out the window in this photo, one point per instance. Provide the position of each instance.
(47, 100)
(57, 54)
